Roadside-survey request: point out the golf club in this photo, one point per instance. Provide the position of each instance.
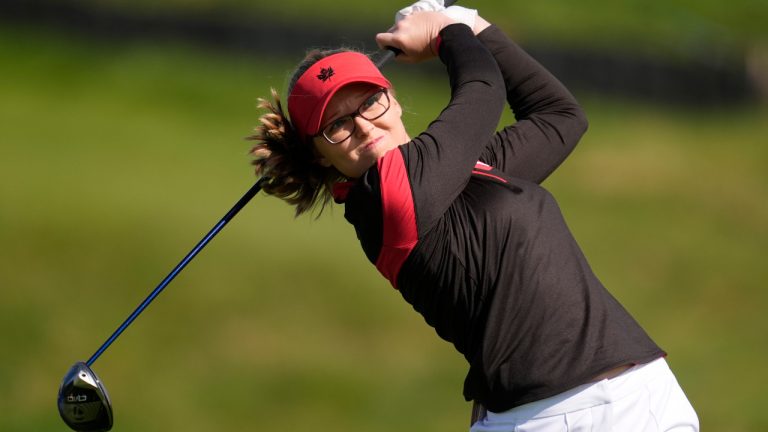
(83, 402)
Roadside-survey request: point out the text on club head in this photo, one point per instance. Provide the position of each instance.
(77, 398)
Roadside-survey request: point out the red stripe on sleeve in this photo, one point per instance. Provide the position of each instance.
(489, 175)
(483, 166)
(399, 216)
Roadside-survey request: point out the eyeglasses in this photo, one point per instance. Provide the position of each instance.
(343, 127)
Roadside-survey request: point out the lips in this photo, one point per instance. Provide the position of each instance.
(371, 145)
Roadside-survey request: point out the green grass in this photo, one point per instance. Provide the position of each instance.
(117, 158)
(678, 27)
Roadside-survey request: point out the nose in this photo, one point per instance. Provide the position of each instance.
(363, 126)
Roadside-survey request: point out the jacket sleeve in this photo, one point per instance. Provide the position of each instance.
(397, 201)
(439, 161)
(549, 123)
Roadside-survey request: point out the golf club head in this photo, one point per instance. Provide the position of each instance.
(83, 401)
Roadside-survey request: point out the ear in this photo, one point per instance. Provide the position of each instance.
(395, 105)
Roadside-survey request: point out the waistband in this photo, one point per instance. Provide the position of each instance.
(589, 395)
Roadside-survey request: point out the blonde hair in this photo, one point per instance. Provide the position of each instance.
(289, 162)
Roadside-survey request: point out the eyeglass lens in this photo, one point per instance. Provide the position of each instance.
(371, 109)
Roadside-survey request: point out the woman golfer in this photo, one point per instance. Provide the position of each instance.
(455, 218)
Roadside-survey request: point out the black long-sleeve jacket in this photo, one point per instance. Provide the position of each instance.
(457, 221)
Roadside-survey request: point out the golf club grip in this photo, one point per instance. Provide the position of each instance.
(392, 52)
(180, 266)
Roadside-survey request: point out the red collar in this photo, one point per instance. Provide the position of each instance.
(341, 190)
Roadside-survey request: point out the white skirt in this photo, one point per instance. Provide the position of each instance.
(644, 398)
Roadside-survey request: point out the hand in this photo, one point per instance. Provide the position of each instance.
(415, 35)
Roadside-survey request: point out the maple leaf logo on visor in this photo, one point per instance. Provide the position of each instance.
(325, 74)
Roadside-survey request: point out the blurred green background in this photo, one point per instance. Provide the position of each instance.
(117, 156)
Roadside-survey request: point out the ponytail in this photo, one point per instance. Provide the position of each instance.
(289, 162)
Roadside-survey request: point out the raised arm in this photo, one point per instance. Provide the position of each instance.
(412, 187)
(439, 161)
(550, 121)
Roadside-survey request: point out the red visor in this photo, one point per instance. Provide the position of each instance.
(316, 87)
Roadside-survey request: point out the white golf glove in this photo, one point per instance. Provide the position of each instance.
(420, 6)
(456, 13)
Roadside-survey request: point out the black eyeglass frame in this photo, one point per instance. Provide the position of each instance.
(357, 113)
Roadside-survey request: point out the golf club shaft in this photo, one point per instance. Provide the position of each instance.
(381, 61)
(212, 233)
